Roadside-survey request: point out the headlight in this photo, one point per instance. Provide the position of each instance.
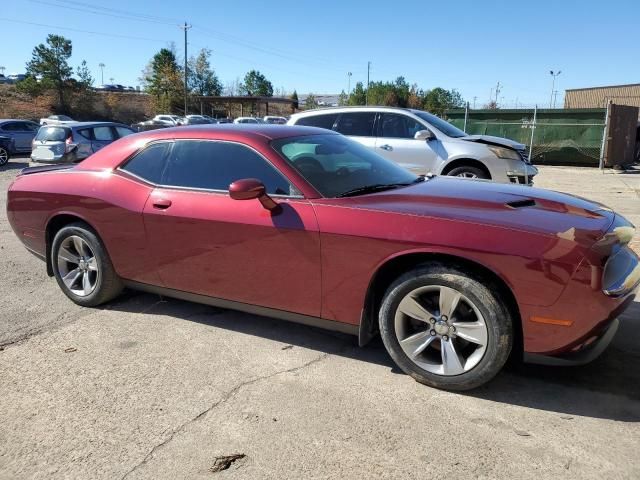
(502, 152)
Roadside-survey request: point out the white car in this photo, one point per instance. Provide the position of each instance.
(424, 143)
(171, 120)
(248, 120)
(275, 120)
(56, 120)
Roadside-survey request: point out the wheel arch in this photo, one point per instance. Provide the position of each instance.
(461, 162)
(54, 224)
(395, 266)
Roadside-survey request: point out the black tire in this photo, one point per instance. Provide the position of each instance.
(469, 172)
(496, 316)
(4, 156)
(107, 283)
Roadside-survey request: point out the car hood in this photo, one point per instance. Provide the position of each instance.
(488, 203)
(499, 141)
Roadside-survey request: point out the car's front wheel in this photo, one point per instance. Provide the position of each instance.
(445, 328)
(468, 171)
(82, 266)
(4, 156)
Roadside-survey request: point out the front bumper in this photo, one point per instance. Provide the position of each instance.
(523, 174)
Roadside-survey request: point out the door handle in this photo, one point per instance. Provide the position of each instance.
(386, 147)
(161, 203)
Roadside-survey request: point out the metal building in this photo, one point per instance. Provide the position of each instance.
(599, 97)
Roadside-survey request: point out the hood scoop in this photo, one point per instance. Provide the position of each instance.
(527, 202)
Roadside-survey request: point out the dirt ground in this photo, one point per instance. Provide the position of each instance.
(158, 388)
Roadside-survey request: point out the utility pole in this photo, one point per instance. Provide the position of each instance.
(101, 65)
(185, 27)
(553, 85)
(2, 70)
(497, 92)
(368, 71)
(474, 102)
(349, 83)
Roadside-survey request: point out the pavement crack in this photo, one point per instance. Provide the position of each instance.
(226, 397)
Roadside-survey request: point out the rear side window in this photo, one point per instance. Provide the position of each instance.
(12, 127)
(150, 162)
(103, 134)
(215, 165)
(123, 131)
(357, 124)
(52, 134)
(320, 121)
(85, 133)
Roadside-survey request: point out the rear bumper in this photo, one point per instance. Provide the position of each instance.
(582, 356)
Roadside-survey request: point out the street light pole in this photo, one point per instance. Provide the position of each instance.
(553, 85)
(185, 27)
(101, 65)
(349, 83)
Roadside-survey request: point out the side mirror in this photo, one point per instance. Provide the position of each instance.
(424, 135)
(249, 189)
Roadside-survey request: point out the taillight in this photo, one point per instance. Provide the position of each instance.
(69, 143)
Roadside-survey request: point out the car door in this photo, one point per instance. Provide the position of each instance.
(359, 126)
(22, 137)
(396, 142)
(206, 243)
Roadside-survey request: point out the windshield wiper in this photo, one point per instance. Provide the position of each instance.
(376, 187)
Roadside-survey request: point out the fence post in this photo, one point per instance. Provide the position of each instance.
(605, 134)
(533, 129)
(466, 116)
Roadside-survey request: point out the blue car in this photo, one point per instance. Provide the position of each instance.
(21, 133)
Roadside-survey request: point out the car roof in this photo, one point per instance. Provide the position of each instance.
(4, 120)
(360, 108)
(208, 131)
(85, 124)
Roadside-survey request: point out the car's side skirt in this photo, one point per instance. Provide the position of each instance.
(245, 307)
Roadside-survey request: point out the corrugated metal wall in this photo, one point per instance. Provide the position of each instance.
(599, 97)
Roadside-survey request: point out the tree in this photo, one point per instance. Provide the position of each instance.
(163, 80)
(343, 99)
(202, 78)
(51, 63)
(84, 97)
(294, 97)
(358, 96)
(256, 84)
(85, 79)
(310, 102)
(438, 100)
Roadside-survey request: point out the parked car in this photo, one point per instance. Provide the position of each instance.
(307, 225)
(171, 120)
(197, 120)
(21, 132)
(56, 119)
(248, 120)
(74, 142)
(6, 147)
(275, 120)
(423, 143)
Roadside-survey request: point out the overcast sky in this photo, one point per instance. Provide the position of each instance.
(312, 45)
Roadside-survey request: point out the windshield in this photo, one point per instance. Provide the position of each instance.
(336, 165)
(442, 125)
(52, 134)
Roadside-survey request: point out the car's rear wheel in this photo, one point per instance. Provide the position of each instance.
(445, 328)
(82, 266)
(468, 171)
(4, 156)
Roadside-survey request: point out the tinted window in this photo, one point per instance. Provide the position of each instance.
(150, 162)
(399, 126)
(359, 124)
(215, 165)
(442, 125)
(321, 121)
(31, 126)
(103, 134)
(12, 127)
(52, 134)
(334, 164)
(123, 131)
(85, 133)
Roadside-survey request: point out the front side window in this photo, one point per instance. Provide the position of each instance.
(123, 131)
(150, 162)
(214, 165)
(320, 121)
(442, 125)
(338, 166)
(394, 125)
(356, 124)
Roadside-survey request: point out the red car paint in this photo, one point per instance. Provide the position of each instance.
(318, 256)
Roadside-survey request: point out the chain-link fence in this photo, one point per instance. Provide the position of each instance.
(569, 137)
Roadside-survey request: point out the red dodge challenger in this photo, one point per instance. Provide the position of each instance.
(306, 225)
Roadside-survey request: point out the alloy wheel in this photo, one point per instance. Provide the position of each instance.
(78, 266)
(441, 330)
(467, 175)
(4, 156)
